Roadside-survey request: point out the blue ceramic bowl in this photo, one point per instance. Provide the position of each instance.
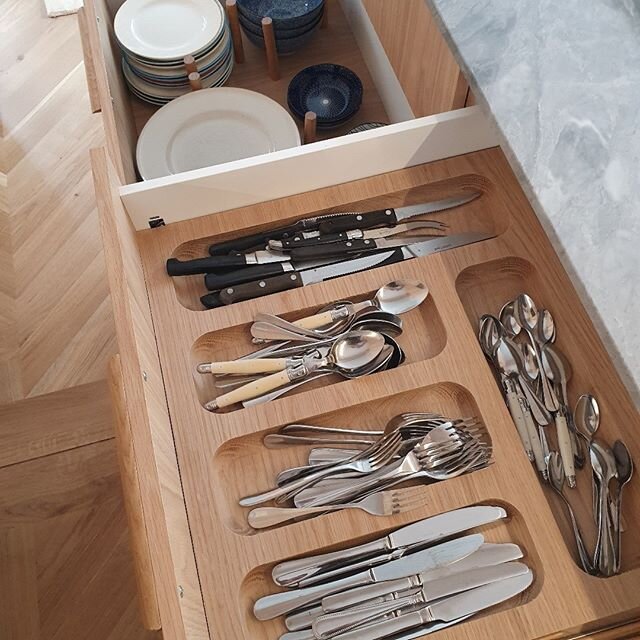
(287, 14)
(331, 91)
(280, 33)
(284, 46)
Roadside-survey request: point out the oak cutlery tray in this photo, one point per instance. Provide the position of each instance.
(219, 456)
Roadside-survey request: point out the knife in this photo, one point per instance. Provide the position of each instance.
(229, 278)
(422, 532)
(332, 223)
(390, 216)
(177, 267)
(487, 555)
(328, 625)
(295, 279)
(446, 610)
(277, 604)
(312, 239)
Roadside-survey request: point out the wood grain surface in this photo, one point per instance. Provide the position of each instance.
(463, 283)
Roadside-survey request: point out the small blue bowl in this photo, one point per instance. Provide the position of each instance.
(284, 46)
(331, 91)
(256, 29)
(287, 14)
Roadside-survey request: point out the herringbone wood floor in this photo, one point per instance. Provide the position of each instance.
(65, 568)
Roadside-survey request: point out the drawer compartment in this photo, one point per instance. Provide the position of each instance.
(423, 337)
(258, 582)
(234, 456)
(484, 288)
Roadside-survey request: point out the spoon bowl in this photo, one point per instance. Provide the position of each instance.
(400, 296)
(489, 333)
(587, 415)
(508, 319)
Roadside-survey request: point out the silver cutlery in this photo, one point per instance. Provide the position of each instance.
(450, 609)
(385, 503)
(277, 604)
(624, 467)
(330, 625)
(488, 555)
(293, 572)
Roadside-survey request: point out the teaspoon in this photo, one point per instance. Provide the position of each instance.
(624, 466)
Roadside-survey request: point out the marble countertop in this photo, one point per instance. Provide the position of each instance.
(561, 81)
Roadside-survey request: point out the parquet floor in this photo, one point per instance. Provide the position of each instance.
(65, 567)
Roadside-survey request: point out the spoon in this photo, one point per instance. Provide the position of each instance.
(546, 331)
(395, 297)
(349, 354)
(508, 320)
(586, 417)
(556, 479)
(381, 321)
(624, 466)
(509, 373)
(489, 332)
(557, 370)
(604, 466)
(526, 313)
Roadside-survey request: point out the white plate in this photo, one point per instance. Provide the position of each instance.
(168, 29)
(210, 127)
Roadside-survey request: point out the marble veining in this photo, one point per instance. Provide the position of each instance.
(561, 81)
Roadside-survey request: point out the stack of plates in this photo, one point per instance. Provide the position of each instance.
(155, 36)
(331, 91)
(212, 126)
(294, 21)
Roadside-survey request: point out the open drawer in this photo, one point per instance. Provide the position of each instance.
(209, 565)
(367, 36)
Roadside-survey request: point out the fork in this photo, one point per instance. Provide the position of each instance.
(436, 463)
(370, 460)
(383, 503)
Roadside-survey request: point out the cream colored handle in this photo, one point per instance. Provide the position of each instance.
(536, 444)
(518, 417)
(263, 517)
(566, 450)
(251, 390)
(316, 321)
(257, 365)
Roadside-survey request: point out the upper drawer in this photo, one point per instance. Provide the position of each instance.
(404, 65)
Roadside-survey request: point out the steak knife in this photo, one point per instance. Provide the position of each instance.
(445, 610)
(177, 267)
(333, 223)
(295, 279)
(331, 624)
(423, 532)
(313, 239)
(277, 604)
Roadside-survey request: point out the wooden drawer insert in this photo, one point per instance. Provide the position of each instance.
(215, 451)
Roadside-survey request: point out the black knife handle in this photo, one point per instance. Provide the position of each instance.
(215, 281)
(369, 220)
(211, 301)
(260, 288)
(177, 267)
(336, 249)
(254, 240)
(299, 241)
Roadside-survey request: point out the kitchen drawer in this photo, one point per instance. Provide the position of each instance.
(208, 564)
(350, 38)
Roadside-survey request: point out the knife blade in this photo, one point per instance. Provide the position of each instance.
(425, 531)
(391, 216)
(333, 623)
(446, 610)
(295, 279)
(309, 240)
(177, 267)
(277, 604)
(330, 223)
(487, 555)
